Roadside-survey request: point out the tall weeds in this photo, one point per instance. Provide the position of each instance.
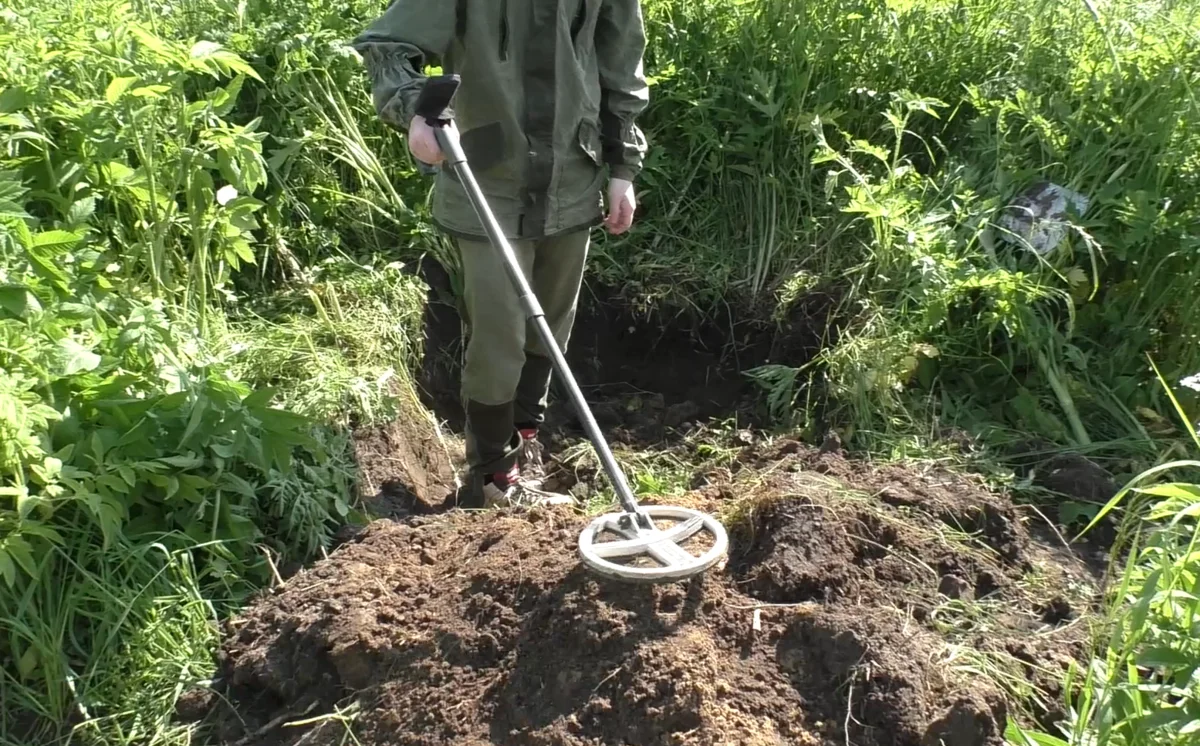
(1139, 688)
(872, 144)
(196, 200)
(145, 489)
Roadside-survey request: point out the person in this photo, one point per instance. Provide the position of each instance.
(547, 107)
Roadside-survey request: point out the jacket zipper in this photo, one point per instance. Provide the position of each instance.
(503, 30)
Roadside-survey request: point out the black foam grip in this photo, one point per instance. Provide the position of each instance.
(434, 102)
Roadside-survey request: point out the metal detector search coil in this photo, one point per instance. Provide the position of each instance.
(660, 545)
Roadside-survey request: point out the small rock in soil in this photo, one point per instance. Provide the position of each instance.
(680, 414)
(1057, 611)
(831, 444)
(194, 704)
(953, 586)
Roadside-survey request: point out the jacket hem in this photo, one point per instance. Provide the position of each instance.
(624, 171)
(482, 236)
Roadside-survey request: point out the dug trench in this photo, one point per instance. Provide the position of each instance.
(668, 369)
(650, 380)
(861, 604)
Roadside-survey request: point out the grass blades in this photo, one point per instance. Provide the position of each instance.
(873, 145)
(341, 348)
(106, 643)
(1139, 687)
(205, 234)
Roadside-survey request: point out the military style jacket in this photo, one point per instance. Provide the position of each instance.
(549, 96)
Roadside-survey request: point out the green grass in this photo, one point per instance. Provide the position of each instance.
(109, 646)
(341, 348)
(149, 480)
(197, 202)
(779, 162)
(1141, 688)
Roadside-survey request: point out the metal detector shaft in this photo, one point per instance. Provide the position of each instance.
(456, 161)
(447, 135)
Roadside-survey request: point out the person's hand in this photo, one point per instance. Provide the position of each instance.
(422, 143)
(621, 205)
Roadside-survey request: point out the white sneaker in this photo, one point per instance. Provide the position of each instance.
(515, 489)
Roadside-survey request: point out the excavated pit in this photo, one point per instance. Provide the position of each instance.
(687, 368)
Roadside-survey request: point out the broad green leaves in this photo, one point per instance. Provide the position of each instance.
(210, 57)
(117, 88)
(135, 472)
(17, 302)
(74, 358)
(116, 237)
(52, 243)
(142, 149)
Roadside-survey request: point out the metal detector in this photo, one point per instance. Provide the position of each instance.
(640, 551)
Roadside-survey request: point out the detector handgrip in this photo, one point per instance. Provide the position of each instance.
(434, 102)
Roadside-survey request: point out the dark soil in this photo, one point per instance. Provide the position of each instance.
(859, 604)
(689, 368)
(404, 467)
(838, 619)
(408, 466)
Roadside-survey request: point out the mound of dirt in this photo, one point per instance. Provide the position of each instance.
(858, 606)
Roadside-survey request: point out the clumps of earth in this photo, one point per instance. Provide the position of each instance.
(860, 605)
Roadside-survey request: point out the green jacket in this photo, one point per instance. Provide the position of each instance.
(550, 91)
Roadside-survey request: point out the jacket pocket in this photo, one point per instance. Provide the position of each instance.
(588, 136)
(485, 147)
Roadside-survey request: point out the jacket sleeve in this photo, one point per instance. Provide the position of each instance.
(395, 49)
(620, 43)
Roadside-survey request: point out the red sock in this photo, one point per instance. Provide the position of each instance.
(503, 479)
